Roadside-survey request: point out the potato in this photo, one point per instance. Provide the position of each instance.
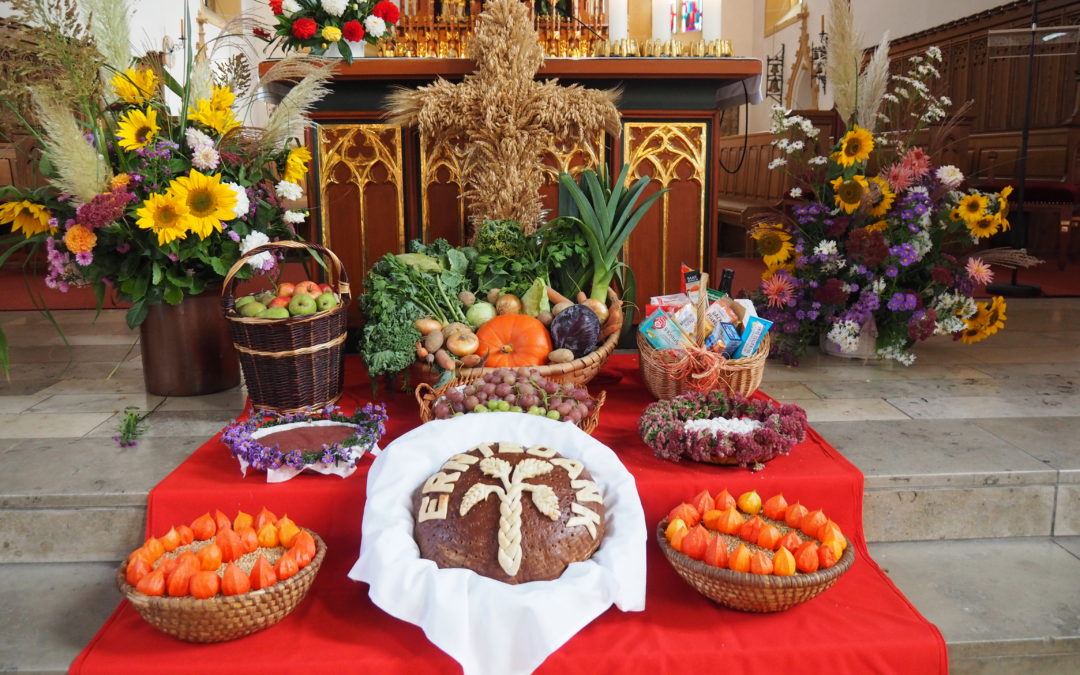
(455, 327)
(545, 317)
(433, 340)
(444, 360)
(561, 356)
(560, 306)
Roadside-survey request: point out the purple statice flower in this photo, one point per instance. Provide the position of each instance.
(123, 248)
(233, 235)
(173, 257)
(812, 314)
(906, 252)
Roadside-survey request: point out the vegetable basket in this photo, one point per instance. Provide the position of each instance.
(579, 371)
(295, 363)
(426, 396)
(752, 592)
(668, 373)
(222, 617)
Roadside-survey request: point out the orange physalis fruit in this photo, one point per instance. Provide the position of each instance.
(186, 534)
(303, 558)
(190, 559)
(716, 553)
(222, 520)
(286, 567)
(831, 529)
(739, 559)
(723, 500)
(262, 574)
(673, 527)
(248, 539)
(170, 540)
(686, 513)
(775, 507)
(812, 522)
(152, 584)
(228, 540)
(141, 552)
(167, 565)
(209, 558)
(204, 527)
(794, 514)
(750, 529)
(265, 516)
(791, 541)
(710, 518)
(783, 563)
(806, 558)
(179, 582)
(749, 502)
(268, 536)
(769, 537)
(695, 542)
(234, 581)
(703, 502)
(287, 531)
(243, 520)
(155, 548)
(760, 563)
(204, 584)
(826, 557)
(836, 545)
(137, 569)
(306, 543)
(730, 521)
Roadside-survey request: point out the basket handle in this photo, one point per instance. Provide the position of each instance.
(422, 391)
(702, 303)
(339, 280)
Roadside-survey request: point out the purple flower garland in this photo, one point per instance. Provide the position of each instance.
(663, 429)
(369, 421)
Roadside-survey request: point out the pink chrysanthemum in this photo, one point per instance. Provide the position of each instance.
(778, 289)
(916, 162)
(978, 271)
(899, 177)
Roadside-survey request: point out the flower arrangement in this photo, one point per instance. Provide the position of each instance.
(865, 250)
(151, 200)
(369, 421)
(320, 24)
(760, 430)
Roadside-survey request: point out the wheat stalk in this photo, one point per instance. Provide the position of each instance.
(80, 170)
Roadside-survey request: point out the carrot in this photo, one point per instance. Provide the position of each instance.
(581, 297)
(556, 297)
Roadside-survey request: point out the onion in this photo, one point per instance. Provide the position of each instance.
(598, 308)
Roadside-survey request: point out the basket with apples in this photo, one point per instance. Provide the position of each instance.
(291, 345)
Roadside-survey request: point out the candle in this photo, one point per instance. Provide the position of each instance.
(181, 29)
(710, 20)
(617, 20)
(661, 19)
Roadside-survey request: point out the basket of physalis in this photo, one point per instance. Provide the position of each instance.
(754, 556)
(220, 579)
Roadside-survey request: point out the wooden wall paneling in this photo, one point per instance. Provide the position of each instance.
(571, 159)
(440, 184)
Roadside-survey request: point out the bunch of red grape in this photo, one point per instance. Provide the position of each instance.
(521, 390)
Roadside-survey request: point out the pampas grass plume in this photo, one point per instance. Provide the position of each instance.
(289, 118)
(80, 170)
(872, 85)
(109, 25)
(844, 58)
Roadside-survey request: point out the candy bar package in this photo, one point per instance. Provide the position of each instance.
(663, 333)
(752, 335)
(691, 282)
(669, 303)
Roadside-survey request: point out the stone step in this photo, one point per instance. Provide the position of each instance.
(1003, 605)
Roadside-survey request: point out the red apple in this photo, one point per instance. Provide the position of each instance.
(280, 302)
(308, 288)
(286, 290)
(325, 288)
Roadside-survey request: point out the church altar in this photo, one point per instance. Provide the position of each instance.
(378, 186)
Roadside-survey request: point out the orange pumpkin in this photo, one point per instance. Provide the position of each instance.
(204, 584)
(249, 540)
(286, 567)
(716, 554)
(760, 563)
(514, 340)
(209, 557)
(152, 584)
(232, 547)
(723, 500)
(783, 563)
(170, 540)
(775, 507)
(186, 534)
(234, 581)
(137, 569)
(262, 574)
(204, 527)
(265, 516)
(179, 582)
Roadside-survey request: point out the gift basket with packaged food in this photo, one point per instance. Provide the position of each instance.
(702, 339)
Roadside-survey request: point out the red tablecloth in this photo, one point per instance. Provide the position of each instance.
(863, 624)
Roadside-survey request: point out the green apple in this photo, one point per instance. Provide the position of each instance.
(266, 297)
(240, 302)
(302, 304)
(274, 313)
(252, 308)
(326, 301)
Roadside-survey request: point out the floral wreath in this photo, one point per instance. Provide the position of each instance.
(369, 420)
(662, 428)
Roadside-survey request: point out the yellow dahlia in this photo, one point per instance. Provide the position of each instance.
(855, 147)
(885, 197)
(167, 215)
(331, 33)
(27, 216)
(208, 201)
(972, 207)
(296, 165)
(80, 239)
(850, 193)
(985, 226)
(773, 243)
(138, 128)
(135, 86)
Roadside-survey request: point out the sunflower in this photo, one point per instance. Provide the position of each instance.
(850, 193)
(27, 216)
(787, 268)
(879, 226)
(137, 128)
(985, 226)
(296, 165)
(773, 243)
(221, 98)
(884, 197)
(974, 330)
(855, 147)
(1003, 207)
(972, 207)
(995, 315)
(167, 215)
(135, 86)
(207, 199)
(216, 112)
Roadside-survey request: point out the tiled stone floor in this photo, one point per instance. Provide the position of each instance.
(971, 457)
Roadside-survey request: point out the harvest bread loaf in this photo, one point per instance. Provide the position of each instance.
(510, 513)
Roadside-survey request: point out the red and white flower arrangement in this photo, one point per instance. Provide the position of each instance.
(320, 24)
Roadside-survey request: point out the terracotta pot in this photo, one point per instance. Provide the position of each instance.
(186, 349)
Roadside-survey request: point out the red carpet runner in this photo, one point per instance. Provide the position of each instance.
(863, 624)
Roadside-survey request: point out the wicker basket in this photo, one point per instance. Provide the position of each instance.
(426, 397)
(752, 592)
(578, 371)
(222, 617)
(296, 363)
